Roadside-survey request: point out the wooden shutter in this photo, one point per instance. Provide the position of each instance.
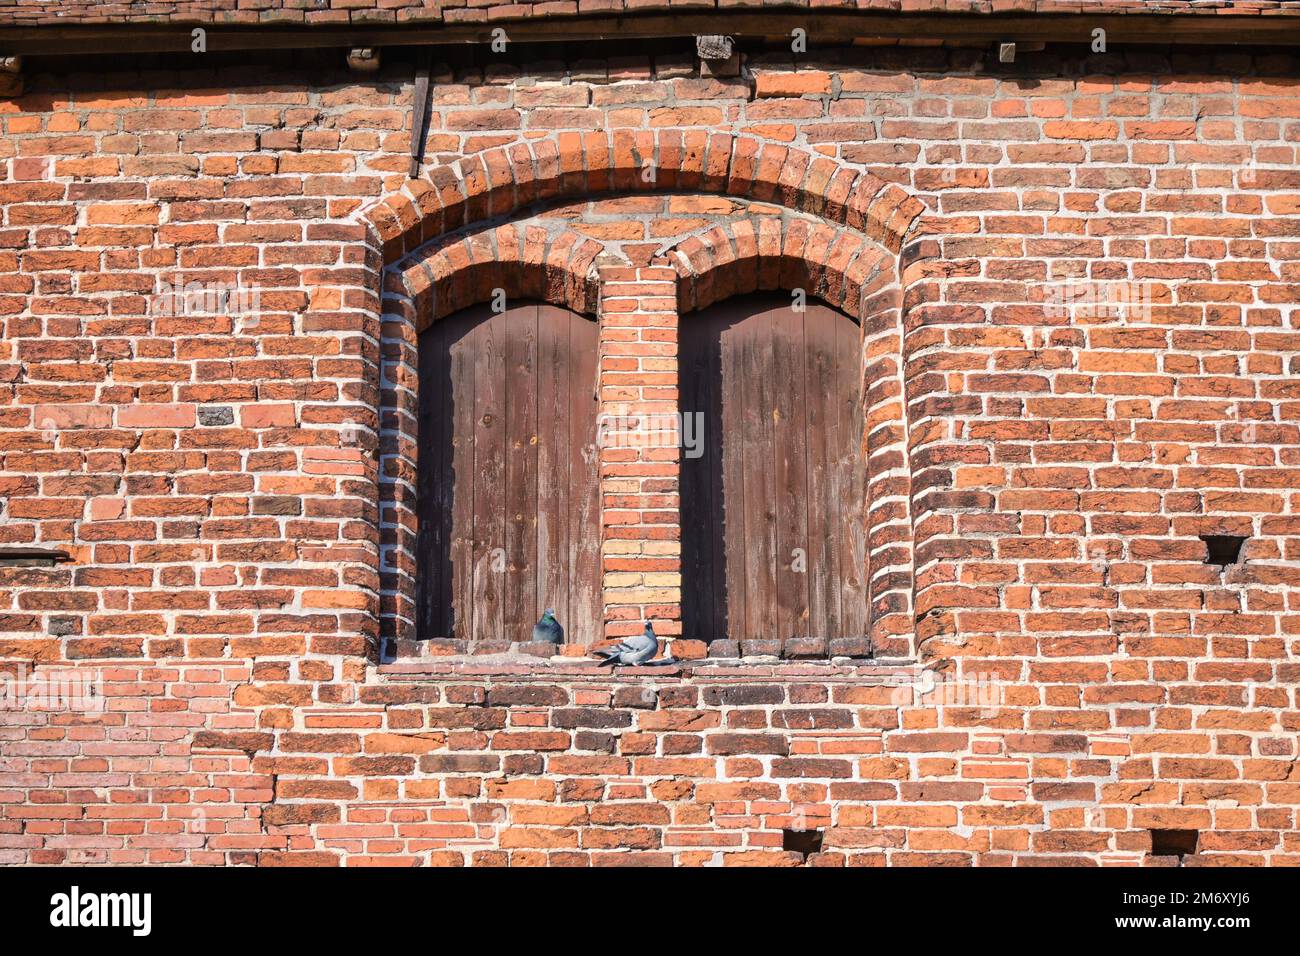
(781, 483)
(508, 474)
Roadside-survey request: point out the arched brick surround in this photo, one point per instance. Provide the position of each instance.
(501, 180)
(833, 230)
(524, 260)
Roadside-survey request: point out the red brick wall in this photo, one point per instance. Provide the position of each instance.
(234, 492)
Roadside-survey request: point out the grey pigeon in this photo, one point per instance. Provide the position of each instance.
(635, 650)
(548, 630)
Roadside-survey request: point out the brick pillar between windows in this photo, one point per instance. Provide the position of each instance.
(639, 461)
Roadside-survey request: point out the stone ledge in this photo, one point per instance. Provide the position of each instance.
(527, 652)
(887, 672)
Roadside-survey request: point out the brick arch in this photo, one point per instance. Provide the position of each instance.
(847, 270)
(525, 260)
(436, 242)
(839, 266)
(502, 180)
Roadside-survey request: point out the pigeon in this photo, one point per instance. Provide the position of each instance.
(548, 630)
(635, 650)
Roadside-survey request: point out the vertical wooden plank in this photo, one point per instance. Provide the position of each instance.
(790, 472)
(696, 535)
(854, 568)
(491, 397)
(457, 492)
(822, 416)
(433, 471)
(584, 470)
(427, 563)
(758, 394)
(553, 462)
(732, 336)
(519, 599)
(714, 437)
(699, 531)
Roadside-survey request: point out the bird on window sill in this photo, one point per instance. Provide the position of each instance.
(548, 629)
(634, 651)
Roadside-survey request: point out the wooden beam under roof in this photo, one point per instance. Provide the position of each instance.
(824, 28)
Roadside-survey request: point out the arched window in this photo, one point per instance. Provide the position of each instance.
(508, 485)
(773, 532)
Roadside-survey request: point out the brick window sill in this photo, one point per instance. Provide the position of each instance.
(528, 653)
(889, 672)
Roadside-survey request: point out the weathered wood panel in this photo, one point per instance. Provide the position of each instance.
(585, 622)
(508, 476)
(773, 534)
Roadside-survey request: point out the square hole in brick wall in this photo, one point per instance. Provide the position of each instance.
(1179, 843)
(802, 841)
(1223, 549)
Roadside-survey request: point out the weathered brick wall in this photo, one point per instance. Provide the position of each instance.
(224, 487)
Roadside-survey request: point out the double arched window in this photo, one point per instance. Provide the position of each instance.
(772, 483)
